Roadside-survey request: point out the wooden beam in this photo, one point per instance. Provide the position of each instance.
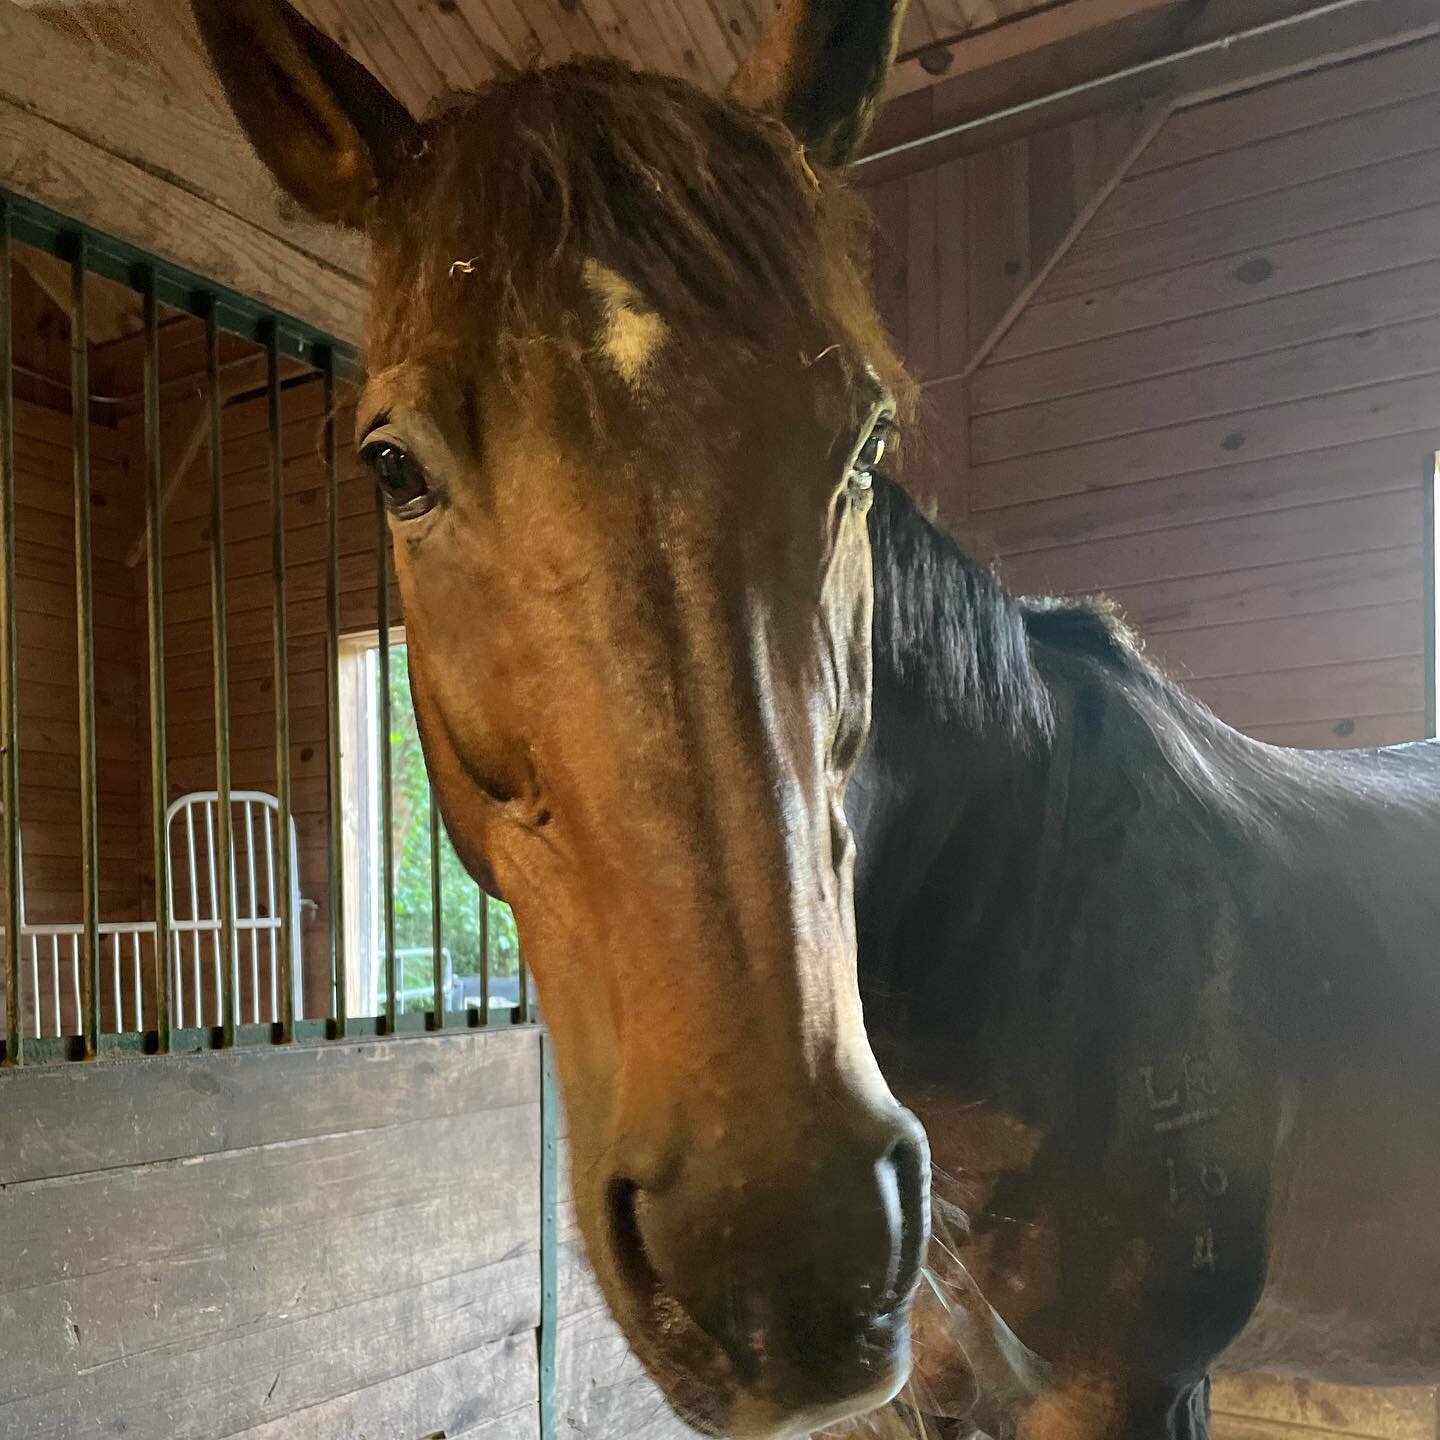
(90, 135)
(1037, 30)
(1149, 59)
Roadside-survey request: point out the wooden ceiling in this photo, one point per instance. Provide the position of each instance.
(424, 48)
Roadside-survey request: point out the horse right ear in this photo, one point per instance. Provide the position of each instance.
(330, 133)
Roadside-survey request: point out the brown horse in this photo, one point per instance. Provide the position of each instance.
(626, 389)
(627, 398)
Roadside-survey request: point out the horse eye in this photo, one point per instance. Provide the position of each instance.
(871, 452)
(400, 476)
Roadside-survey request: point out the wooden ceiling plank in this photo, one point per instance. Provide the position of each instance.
(684, 58)
(498, 23)
(400, 51)
(544, 20)
(710, 40)
(608, 18)
(535, 43)
(329, 16)
(448, 42)
(740, 22)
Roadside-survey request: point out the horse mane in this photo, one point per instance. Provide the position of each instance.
(945, 631)
(709, 210)
(948, 632)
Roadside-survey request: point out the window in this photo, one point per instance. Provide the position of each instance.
(475, 930)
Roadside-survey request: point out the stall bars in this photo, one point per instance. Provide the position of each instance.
(161, 284)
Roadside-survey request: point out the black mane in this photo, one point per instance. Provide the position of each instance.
(948, 632)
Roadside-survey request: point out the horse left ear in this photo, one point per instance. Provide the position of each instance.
(328, 130)
(821, 65)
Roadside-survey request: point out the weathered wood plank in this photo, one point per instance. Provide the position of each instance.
(1325, 95)
(1273, 164)
(67, 1120)
(74, 175)
(1387, 298)
(1345, 253)
(1369, 730)
(1332, 692)
(1311, 425)
(1388, 1414)
(220, 1388)
(1372, 356)
(1406, 183)
(484, 1394)
(1307, 587)
(183, 1255)
(1313, 532)
(998, 190)
(1345, 472)
(1296, 642)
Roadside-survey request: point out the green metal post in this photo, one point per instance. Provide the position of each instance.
(85, 648)
(387, 798)
(334, 799)
(155, 607)
(9, 665)
(437, 925)
(282, 679)
(219, 641)
(484, 928)
(549, 1239)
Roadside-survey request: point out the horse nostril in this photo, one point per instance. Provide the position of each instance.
(907, 1165)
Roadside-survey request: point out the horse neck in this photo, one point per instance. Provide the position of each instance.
(948, 802)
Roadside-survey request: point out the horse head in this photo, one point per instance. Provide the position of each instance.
(626, 391)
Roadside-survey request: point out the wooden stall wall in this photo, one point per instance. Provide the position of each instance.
(319, 1243)
(1221, 404)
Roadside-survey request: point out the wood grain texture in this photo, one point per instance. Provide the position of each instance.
(261, 1243)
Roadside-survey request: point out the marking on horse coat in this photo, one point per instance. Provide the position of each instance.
(632, 334)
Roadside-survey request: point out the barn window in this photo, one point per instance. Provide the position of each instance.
(434, 899)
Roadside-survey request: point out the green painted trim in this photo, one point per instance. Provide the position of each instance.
(549, 1239)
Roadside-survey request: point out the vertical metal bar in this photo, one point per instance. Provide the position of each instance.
(522, 1010)
(219, 632)
(1431, 551)
(195, 942)
(549, 1239)
(387, 799)
(334, 829)
(85, 647)
(281, 635)
(253, 913)
(484, 929)
(155, 606)
(270, 906)
(9, 665)
(437, 927)
(115, 968)
(217, 958)
(138, 979)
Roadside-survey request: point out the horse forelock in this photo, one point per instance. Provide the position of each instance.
(707, 210)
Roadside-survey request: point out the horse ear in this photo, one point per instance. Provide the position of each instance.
(330, 133)
(821, 65)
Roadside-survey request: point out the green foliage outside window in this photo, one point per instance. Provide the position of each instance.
(410, 838)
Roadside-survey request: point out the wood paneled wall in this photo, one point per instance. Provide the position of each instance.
(1221, 404)
(316, 1243)
(49, 686)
